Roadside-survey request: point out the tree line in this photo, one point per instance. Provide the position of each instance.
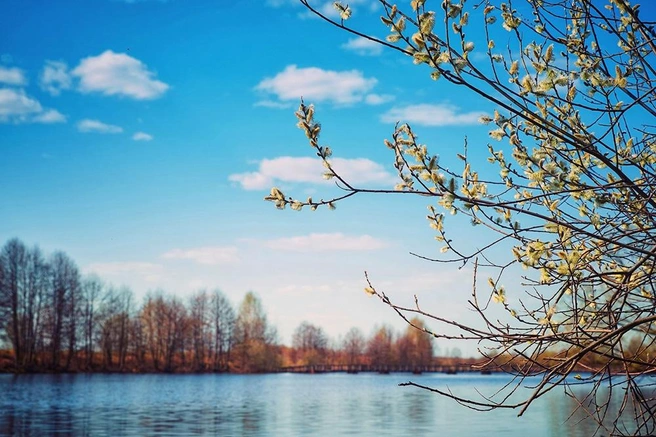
(385, 350)
(53, 318)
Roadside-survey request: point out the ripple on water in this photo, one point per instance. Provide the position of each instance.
(277, 404)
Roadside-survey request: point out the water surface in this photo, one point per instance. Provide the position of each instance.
(274, 404)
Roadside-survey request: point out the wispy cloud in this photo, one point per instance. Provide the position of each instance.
(15, 103)
(318, 85)
(88, 125)
(378, 99)
(17, 107)
(328, 242)
(50, 116)
(431, 115)
(209, 255)
(142, 136)
(55, 77)
(310, 170)
(273, 104)
(118, 74)
(12, 76)
(363, 46)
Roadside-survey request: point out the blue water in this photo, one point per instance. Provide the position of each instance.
(275, 404)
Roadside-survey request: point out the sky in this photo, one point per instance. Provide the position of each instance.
(140, 138)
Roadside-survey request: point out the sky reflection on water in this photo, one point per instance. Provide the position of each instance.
(278, 404)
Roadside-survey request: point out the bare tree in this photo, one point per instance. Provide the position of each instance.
(414, 349)
(108, 318)
(14, 260)
(175, 329)
(23, 287)
(199, 325)
(311, 342)
(114, 320)
(380, 349)
(152, 325)
(222, 318)
(91, 292)
(54, 321)
(125, 306)
(33, 300)
(63, 308)
(137, 342)
(353, 345)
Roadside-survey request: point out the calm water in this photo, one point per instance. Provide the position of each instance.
(278, 404)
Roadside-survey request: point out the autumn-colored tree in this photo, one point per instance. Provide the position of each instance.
(380, 349)
(254, 339)
(113, 320)
(310, 344)
(165, 324)
(353, 346)
(414, 349)
(569, 196)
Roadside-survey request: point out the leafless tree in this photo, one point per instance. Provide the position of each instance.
(311, 343)
(354, 345)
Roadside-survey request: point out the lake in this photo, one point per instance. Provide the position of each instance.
(272, 404)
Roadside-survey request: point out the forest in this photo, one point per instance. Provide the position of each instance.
(54, 319)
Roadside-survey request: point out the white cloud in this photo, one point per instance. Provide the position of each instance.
(316, 84)
(118, 74)
(55, 77)
(15, 103)
(98, 126)
(273, 104)
(142, 136)
(378, 99)
(18, 107)
(209, 255)
(50, 116)
(310, 170)
(363, 46)
(328, 242)
(12, 76)
(431, 115)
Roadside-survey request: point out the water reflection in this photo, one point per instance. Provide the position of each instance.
(331, 404)
(578, 405)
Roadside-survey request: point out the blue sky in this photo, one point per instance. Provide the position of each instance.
(140, 137)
